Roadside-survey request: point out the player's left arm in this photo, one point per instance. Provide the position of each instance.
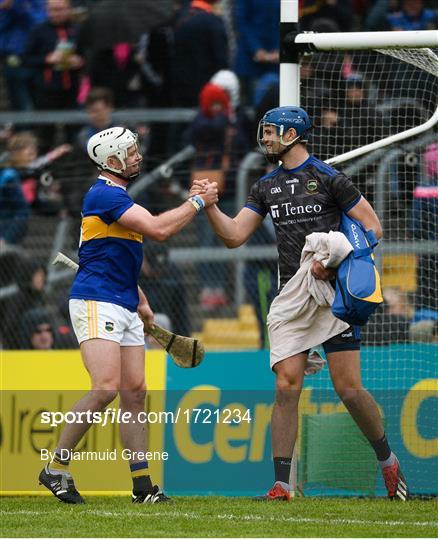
(354, 204)
(364, 212)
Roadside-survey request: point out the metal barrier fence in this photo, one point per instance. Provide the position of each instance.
(192, 278)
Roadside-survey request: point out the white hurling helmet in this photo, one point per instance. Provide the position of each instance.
(114, 141)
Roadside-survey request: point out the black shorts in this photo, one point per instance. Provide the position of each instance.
(348, 340)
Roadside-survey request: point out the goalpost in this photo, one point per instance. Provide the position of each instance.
(373, 98)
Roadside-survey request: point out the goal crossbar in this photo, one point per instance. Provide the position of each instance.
(391, 43)
(338, 41)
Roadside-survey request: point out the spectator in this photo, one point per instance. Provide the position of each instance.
(364, 126)
(425, 198)
(229, 82)
(51, 53)
(425, 227)
(99, 106)
(412, 16)
(390, 323)
(201, 49)
(38, 333)
(257, 47)
(14, 210)
(117, 68)
(375, 19)
(326, 140)
(424, 331)
(30, 276)
(266, 95)
(39, 188)
(17, 18)
(220, 143)
(312, 89)
(326, 15)
(240, 124)
(154, 56)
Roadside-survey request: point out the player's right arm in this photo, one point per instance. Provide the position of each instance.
(165, 225)
(233, 231)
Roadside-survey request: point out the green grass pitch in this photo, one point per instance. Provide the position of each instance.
(217, 517)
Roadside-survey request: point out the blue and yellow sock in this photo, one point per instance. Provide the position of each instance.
(140, 477)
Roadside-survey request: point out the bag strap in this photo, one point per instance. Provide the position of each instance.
(372, 243)
(372, 240)
(358, 253)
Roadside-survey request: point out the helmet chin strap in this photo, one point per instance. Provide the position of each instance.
(274, 158)
(125, 178)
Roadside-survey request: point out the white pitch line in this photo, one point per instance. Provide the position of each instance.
(233, 517)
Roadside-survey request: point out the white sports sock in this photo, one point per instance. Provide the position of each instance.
(388, 462)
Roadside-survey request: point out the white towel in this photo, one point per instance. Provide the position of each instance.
(300, 316)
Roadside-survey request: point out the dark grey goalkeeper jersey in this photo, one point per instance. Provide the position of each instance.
(301, 201)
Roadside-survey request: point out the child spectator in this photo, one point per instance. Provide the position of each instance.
(41, 192)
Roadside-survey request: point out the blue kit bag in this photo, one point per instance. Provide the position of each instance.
(358, 292)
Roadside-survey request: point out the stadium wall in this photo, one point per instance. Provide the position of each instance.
(209, 449)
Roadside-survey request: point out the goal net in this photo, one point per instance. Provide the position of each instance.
(382, 104)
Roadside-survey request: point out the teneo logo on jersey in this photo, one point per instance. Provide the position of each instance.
(312, 187)
(274, 211)
(292, 181)
(288, 210)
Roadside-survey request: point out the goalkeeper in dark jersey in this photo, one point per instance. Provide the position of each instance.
(108, 311)
(304, 195)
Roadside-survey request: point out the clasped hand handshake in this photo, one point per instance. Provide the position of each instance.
(207, 190)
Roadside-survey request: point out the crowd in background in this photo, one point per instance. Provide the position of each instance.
(217, 57)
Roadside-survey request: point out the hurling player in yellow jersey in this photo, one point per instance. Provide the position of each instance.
(106, 305)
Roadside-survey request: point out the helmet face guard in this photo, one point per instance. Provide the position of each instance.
(113, 142)
(284, 118)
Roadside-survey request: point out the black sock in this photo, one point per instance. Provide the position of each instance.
(282, 469)
(381, 448)
(142, 484)
(140, 478)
